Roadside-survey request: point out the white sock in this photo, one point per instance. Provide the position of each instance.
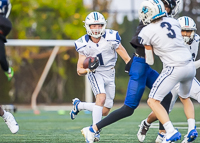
(86, 106)
(147, 122)
(191, 124)
(5, 114)
(97, 114)
(169, 128)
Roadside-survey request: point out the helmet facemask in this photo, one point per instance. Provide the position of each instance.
(188, 40)
(96, 33)
(146, 15)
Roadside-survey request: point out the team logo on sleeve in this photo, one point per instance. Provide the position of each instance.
(114, 46)
(80, 40)
(140, 40)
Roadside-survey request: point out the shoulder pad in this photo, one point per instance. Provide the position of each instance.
(111, 35)
(81, 42)
(196, 38)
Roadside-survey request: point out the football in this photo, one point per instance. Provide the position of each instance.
(86, 62)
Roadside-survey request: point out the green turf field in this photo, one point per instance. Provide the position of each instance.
(49, 127)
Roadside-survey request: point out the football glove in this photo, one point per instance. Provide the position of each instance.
(9, 73)
(93, 65)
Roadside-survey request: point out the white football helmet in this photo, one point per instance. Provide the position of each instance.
(95, 18)
(173, 5)
(187, 23)
(151, 10)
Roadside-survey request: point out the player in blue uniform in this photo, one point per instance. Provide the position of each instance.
(5, 27)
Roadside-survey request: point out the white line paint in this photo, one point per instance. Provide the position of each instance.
(156, 125)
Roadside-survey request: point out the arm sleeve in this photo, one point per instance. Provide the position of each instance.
(3, 60)
(5, 25)
(134, 42)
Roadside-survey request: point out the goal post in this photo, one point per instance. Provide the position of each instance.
(44, 43)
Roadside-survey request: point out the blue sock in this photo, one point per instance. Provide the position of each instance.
(91, 129)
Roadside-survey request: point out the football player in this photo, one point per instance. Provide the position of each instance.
(141, 75)
(171, 7)
(188, 31)
(163, 37)
(5, 27)
(104, 44)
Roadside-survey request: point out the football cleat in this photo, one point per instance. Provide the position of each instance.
(75, 110)
(174, 136)
(160, 137)
(97, 136)
(88, 134)
(189, 138)
(142, 131)
(11, 123)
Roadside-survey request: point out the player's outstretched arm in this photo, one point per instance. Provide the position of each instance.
(123, 53)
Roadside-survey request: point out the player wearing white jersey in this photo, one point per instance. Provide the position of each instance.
(171, 7)
(104, 44)
(191, 39)
(163, 37)
(188, 30)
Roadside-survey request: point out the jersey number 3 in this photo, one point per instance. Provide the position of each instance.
(172, 34)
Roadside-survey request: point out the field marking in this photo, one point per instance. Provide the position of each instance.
(156, 125)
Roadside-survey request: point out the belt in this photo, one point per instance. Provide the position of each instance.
(136, 54)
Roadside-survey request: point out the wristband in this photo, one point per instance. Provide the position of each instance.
(149, 57)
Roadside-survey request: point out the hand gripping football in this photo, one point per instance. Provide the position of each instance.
(91, 63)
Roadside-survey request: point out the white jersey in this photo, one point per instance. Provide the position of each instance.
(194, 46)
(105, 49)
(167, 41)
